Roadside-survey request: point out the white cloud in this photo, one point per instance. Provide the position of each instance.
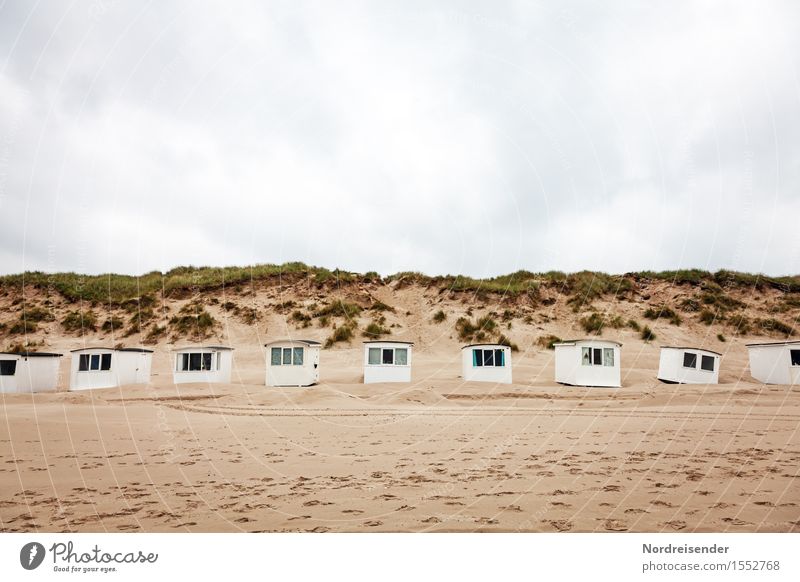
(442, 139)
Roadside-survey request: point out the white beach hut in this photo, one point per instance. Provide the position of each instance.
(292, 362)
(387, 361)
(486, 363)
(28, 372)
(203, 364)
(588, 362)
(109, 367)
(775, 363)
(682, 365)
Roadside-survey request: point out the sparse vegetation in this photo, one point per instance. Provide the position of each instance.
(647, 334)
(439, 316)
(112, 324)
(721, 337)
(380, 306)
(663, 313)
(548, 341)
(155, 333)
(339, 309)
(709, 317)
(634, 325)
(505, 341)
(375, 330)
(343, 333)
(301, 319)
(76, 321)
(593, 323)
(773, 326)
(740, 323)
(192, 320)
(482, 329)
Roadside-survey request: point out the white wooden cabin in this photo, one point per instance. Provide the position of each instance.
(486, 363)
(387, 361)
(588, 362)
(28, 372)
(682, 365)
(109, 367)
(293, 362)
(776, 362)
(207, 364)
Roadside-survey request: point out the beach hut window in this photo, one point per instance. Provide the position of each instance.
(494, 358)
(594, 356)
(401, 356)
(287, 356)
(94, 362)
(689, 360)
(707, 363)
(298, 357)
(608, 355)
(795, 354)
(388, 356)
(374, 356)
(275, 358)
(196, 362)
(8, 367)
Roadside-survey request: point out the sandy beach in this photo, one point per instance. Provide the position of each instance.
(434, 455)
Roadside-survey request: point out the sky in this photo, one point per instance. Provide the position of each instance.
(474, 138)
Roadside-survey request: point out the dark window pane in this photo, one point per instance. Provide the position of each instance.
(207, 361)
(8, 367)
(184, 362)
(105, 362)
(598, 356)
(795, 357)
(689, 360)
(488, 357)
(287, 356)
(707, 363)
(298, 357)
(195, 361)
(95, 365)
(499, 358)
(275, 358)
(83, 362)
(388, 356)
(477, 358)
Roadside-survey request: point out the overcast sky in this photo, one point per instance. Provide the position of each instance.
(440, 137)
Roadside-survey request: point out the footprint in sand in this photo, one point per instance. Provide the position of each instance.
(432, 519)
(614, 525)
(373, 523)
(561, 524)
(676, 525)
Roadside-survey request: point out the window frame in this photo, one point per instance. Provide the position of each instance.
(792, 359)
(704, 358)
(690, 355)
(97, 362)
(488, 358)
(383, 351)
(204, 362)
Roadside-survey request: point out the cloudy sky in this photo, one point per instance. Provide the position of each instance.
(441, 137)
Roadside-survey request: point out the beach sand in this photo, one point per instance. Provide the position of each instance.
(434, 455)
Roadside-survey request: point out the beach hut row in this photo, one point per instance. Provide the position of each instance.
(296, 362)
